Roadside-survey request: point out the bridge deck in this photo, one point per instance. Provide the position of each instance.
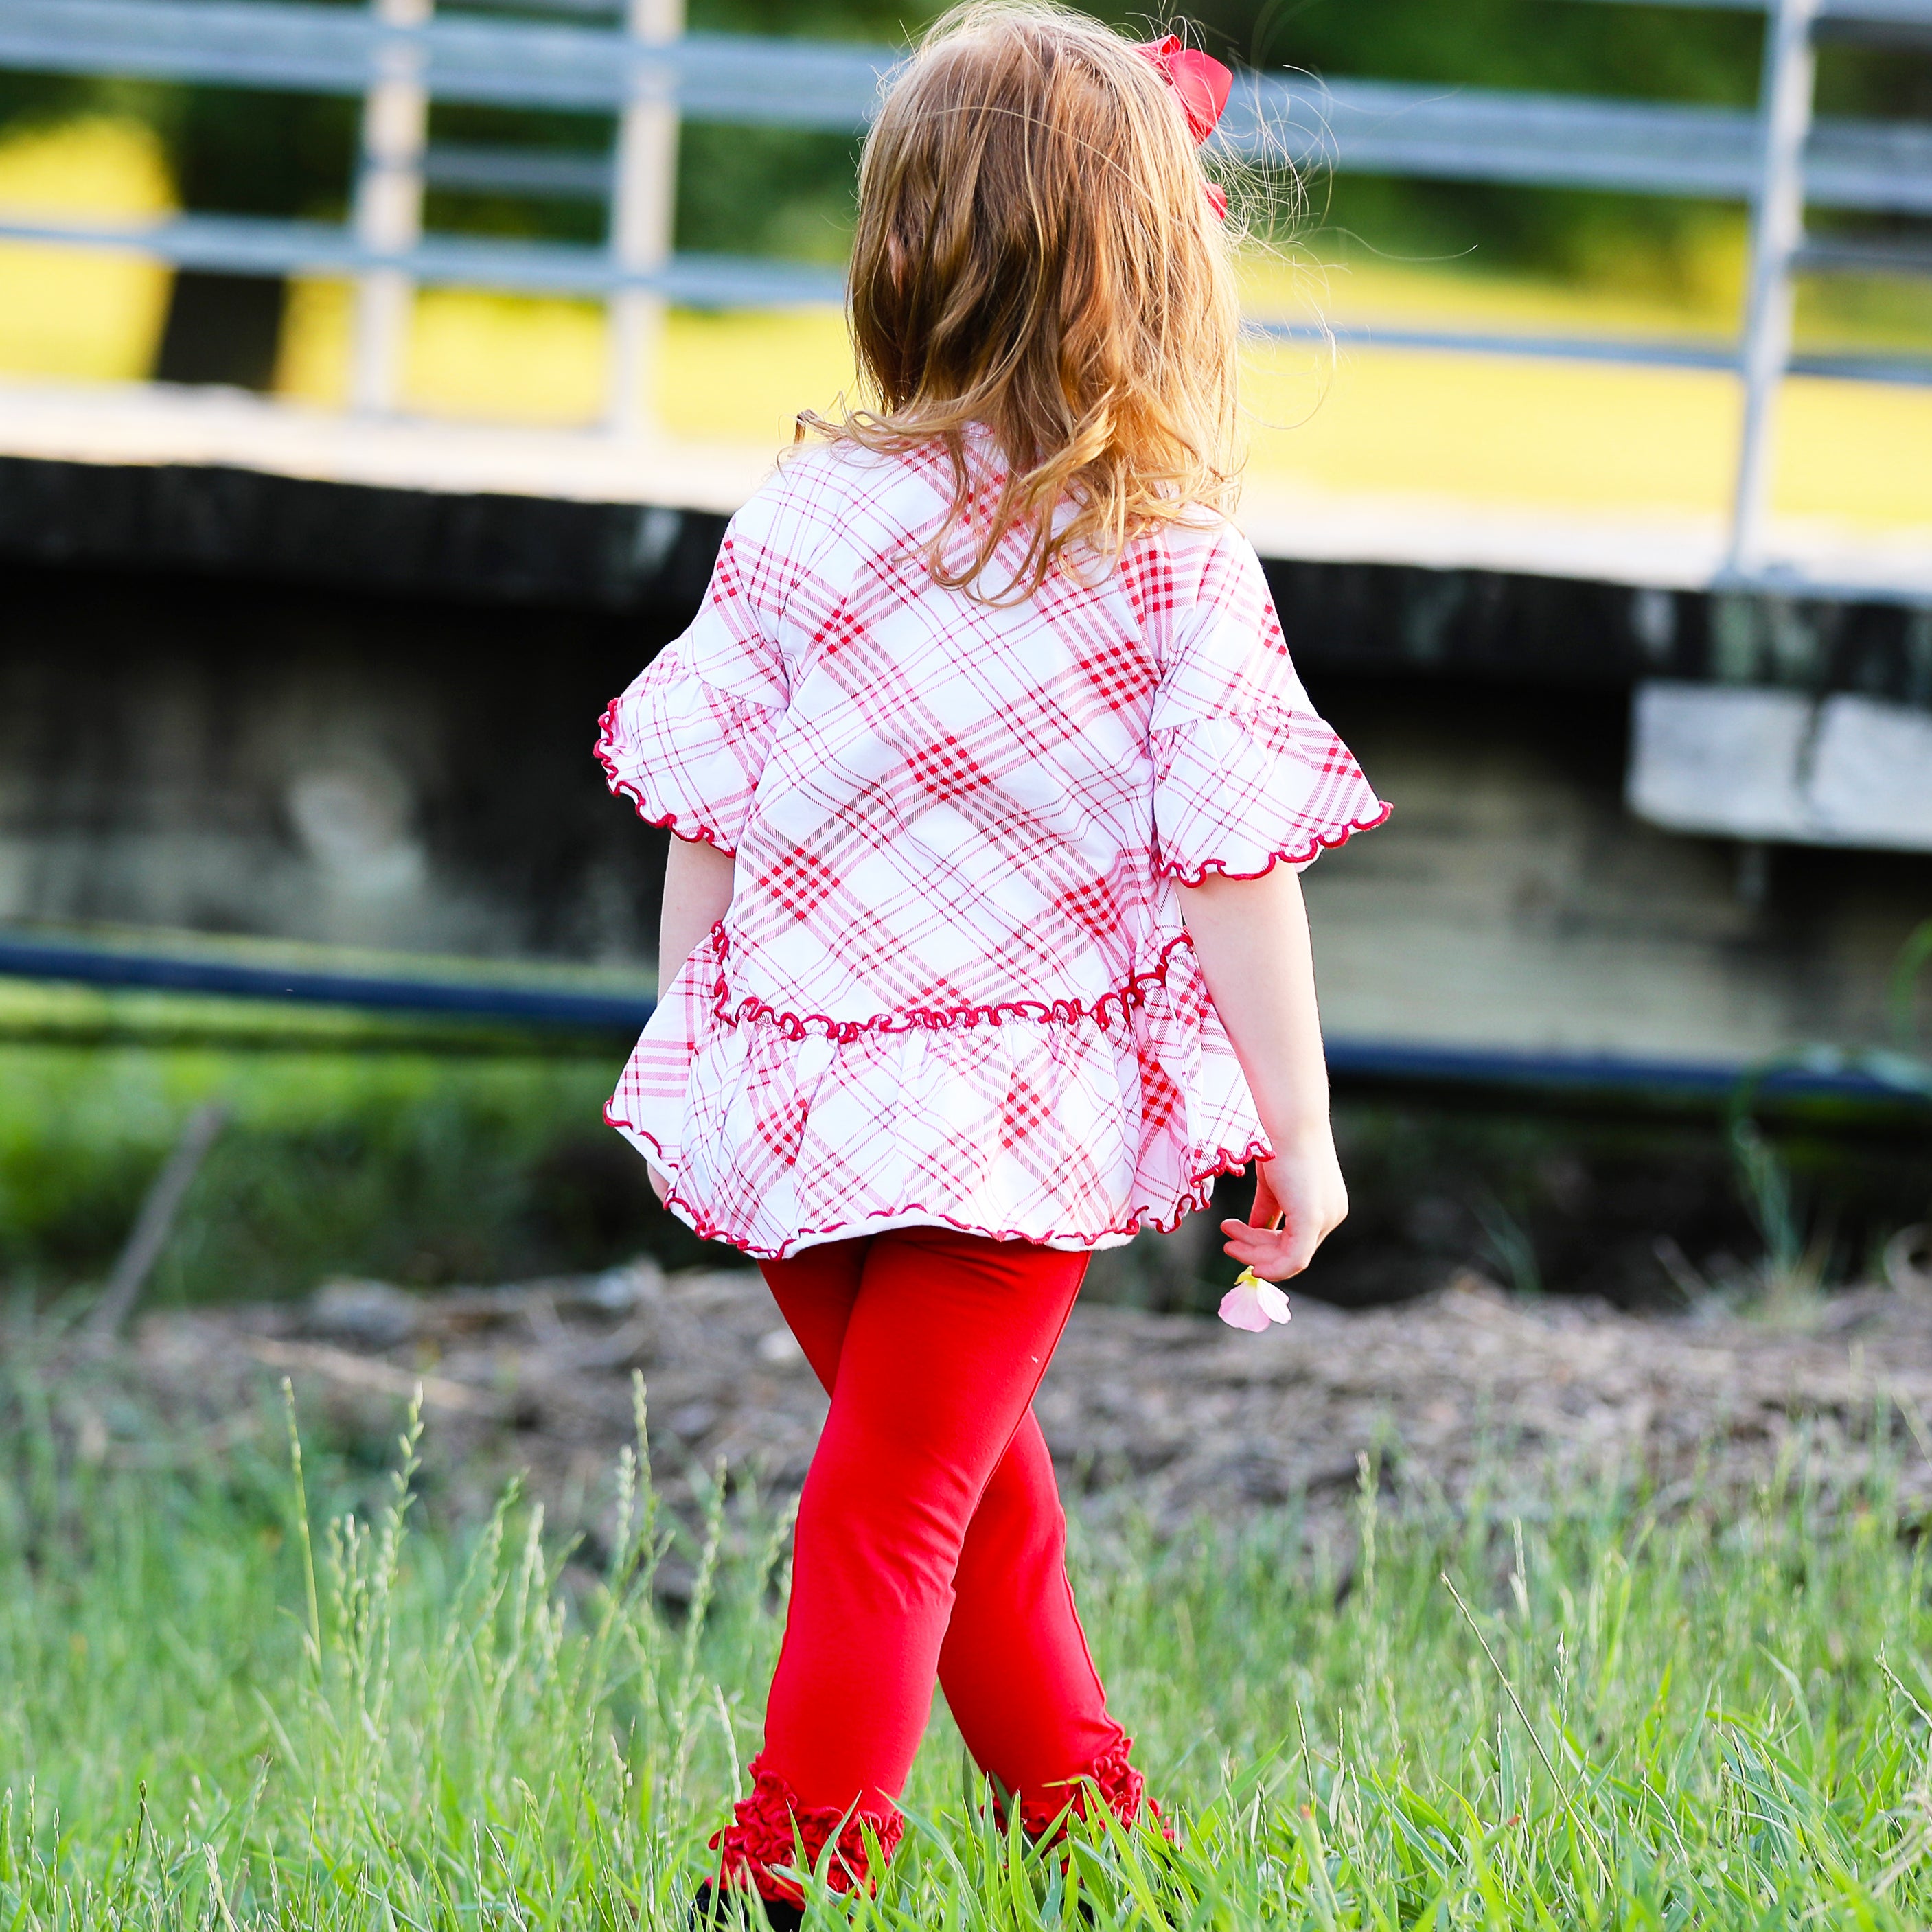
(1288, 517)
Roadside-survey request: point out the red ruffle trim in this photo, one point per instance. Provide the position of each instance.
(1321, 842)
(771, 1828)
(692, 832)
(1109, 1006)
(794, 1026)
(1045, 1816)
(1194, 1200)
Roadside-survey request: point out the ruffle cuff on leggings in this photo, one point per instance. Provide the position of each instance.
(771, 1828)
(1045, 1813)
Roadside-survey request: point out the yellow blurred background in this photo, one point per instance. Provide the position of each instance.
(1489, 429)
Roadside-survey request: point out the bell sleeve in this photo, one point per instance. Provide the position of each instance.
(1247, 775)
(687, 743)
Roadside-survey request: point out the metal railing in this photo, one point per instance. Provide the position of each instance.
(400, 56)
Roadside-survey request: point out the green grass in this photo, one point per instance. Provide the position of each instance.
(1709, 1716)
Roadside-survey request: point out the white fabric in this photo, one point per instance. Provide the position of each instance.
(953, 985)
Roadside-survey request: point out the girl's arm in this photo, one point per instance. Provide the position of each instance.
(1251, 936)
(696, 892)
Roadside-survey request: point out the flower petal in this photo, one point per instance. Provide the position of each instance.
(1239, 1308)
(1253, 1305)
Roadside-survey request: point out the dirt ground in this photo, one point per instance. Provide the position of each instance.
(1165, 1417)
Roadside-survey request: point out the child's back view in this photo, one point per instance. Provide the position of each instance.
(990, 774)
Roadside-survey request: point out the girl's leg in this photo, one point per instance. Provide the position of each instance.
(1015, 1667)
(1018, 1675)
(946, 1340)
(814, 1291)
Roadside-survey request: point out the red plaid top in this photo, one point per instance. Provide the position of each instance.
(953, 985)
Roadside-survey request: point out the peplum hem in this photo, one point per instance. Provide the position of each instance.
(1071, 1124)
(1198, 1197)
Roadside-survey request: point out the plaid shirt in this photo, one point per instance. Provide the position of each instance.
(953, 985)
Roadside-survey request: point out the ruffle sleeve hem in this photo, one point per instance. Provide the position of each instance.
(686, 754)
(1237, 794)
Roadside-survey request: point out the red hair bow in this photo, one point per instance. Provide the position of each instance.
(1201, 84)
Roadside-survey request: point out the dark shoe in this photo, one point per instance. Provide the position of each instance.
(709, 1913)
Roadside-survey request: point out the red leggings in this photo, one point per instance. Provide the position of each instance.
(931, 1544)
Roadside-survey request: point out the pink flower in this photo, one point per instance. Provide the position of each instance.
(1253, 1304)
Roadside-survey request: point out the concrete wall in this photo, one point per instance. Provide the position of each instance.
(1512, 901)
(317, 766)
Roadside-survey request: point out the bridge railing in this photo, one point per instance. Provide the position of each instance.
(639, 67)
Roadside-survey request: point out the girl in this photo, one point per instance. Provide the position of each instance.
(990, 778)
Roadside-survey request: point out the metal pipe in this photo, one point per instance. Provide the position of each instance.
(1778, 231)
(388, 218)
(78, 963)
(643, 203)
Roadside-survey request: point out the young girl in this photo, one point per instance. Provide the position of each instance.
(990, 778)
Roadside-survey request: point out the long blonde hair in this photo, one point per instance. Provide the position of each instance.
(1035, 255)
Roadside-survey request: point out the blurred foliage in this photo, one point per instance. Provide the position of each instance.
(411, 1167)
(233, 151)
(239, 152)
(1613, 1201)
(1542, 46)
(726, 199)
(772, 190)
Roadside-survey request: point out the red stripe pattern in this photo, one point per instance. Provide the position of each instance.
(953, 985)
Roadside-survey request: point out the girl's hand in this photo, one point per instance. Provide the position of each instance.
(660, 1187)
(1299, 1199)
